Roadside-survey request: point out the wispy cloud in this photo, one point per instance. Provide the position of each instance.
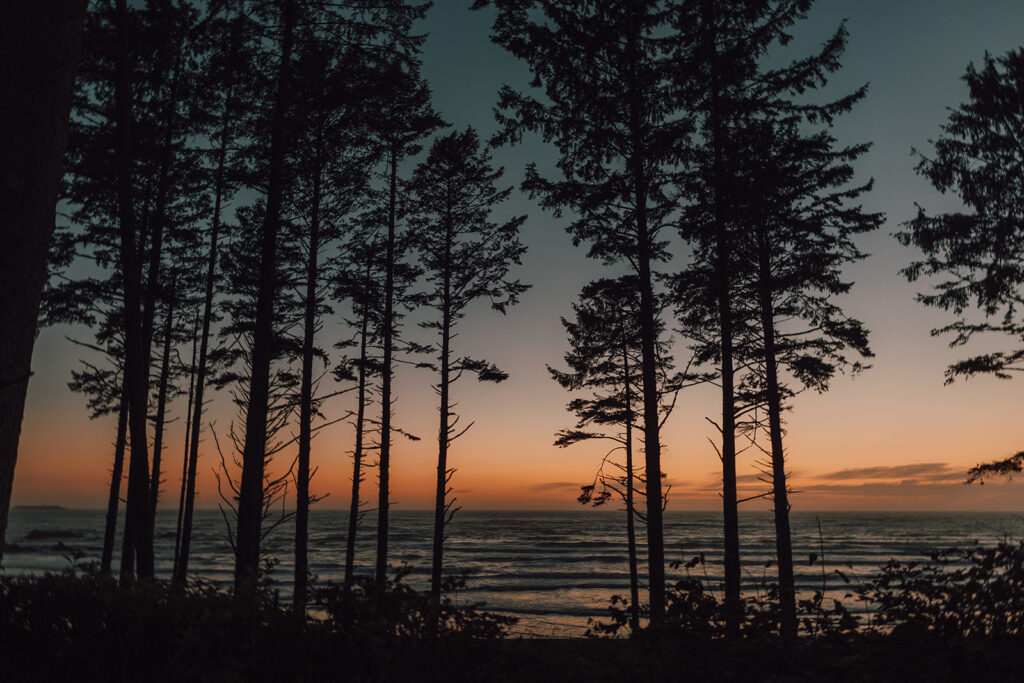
(930, 471)
(557, 486)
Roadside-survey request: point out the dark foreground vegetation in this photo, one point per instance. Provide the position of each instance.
(956, 616)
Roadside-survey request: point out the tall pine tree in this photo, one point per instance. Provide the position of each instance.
(466, 257)
(609, 106)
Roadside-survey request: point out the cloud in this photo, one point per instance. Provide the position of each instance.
(931, 471)
(557, 486)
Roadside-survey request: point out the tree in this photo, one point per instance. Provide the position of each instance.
(980, 252)
(465, 257)
(382, 28)
(138, 522)
(980, 157)
(359, 280)
(250, 496)
(404, 117)
(160, 180)
(41, 40)
(231, 366)
(605, 359)
(331, 165)
(1008, 467)
(219, 118)
(801, 221)
(610, 107)
(749, 223)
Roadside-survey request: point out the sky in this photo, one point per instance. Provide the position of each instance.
(895, 437)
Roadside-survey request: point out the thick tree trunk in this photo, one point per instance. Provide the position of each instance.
(41, 42)
(652, 440)
(181, 559)
(383, 502)
(116, 475)
(780, 495)
(250, 498)
(730, 507)
(138, 522)
(161, 408)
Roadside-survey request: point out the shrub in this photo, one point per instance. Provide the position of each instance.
(972, 593)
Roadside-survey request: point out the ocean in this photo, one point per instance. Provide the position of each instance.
(553, 570)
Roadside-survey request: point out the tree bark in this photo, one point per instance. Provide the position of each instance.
(138, 523)
(443, 432)
(652, 441)
(634, 579)
(780, 495)
(181, 559)
(161, 408)
(357, 453)
(380, 575)
(306, 390)
(250, 498)
(41, 42)
(116, 475)
(184, 456)
(730, 507)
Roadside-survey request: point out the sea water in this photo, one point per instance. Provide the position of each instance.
(553, 570)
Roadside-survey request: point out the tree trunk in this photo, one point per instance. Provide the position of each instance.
(116, 475)
(41, 41)
(730, 507)
(306, 392)
(652, 442)
(380, 575)
(443, 432)
(184, 456)
(153, 289)
(181, 560)
(161, 407)
(357, 454)
(250, 498)
(138, 524)
(634, 580)
(780, 496)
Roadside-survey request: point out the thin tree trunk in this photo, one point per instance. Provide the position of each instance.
(306, 391)
(250, 498)
(357, 454)
(138, 525)
(652, 441)
(730, 507)
(634, 579)
(181, 562)
(41, 41)
(161, 407)
(443, 432)
(780, 496)
(116, 475)
(184, 456)
(383, 502)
